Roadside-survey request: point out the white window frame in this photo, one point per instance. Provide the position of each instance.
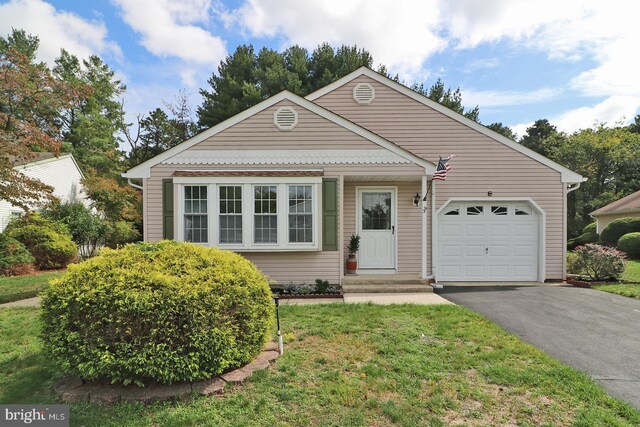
(247, 184)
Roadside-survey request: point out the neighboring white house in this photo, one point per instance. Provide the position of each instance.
(62, 173)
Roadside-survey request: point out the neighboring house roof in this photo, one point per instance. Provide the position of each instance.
(568, 175)
(143, 170)
(630, 203)
(34, 158)
(43, 158)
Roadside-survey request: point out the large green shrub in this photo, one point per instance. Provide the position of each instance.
(590, 228)
(161, 312)
(48, 241)
(588, 237)
(618, 228)
(15, 259)
(599, 262)
(630, 244)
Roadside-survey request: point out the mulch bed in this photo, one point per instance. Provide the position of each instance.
(73, 389)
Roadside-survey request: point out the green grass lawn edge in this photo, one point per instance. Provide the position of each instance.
(16, 288)
(355, 365)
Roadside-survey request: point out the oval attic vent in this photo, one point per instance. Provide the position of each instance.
(364, 93)
(285, 118)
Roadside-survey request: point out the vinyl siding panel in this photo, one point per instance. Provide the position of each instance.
(62, 174)
(481, 163)
(603, 220)
(258, 132)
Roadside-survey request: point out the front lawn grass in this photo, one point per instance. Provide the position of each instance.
(632, 271)
(354, 365)
(20, 287)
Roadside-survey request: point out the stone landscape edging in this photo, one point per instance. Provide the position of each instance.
(72, 389)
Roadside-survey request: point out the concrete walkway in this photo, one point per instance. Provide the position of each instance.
(29, 302)
(378, 298)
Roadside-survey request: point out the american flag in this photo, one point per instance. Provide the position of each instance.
(442, 169)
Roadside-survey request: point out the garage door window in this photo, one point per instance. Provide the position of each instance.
(523, 210)
(475, 210)
(499, 210)
(453, 211)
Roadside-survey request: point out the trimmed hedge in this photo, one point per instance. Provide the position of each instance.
(618, 228)
(15, 259)
(590, 228)
(160, 312)
(48, 241)
(588, 237)
(630, 244)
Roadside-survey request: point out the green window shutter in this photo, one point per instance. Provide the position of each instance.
(167, 208)
(330, 214)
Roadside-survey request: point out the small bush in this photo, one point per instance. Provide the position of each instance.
(15, 259)
(120, 233)
(160, 312)
(618, 228)
(588, 237)
(599, 262)
(48, 241)
(630, 244)
(87, 229)
(572, 263)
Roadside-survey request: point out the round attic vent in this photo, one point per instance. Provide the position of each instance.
(364, 93)
(285, 118)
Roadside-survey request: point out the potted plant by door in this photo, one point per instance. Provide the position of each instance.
(352, 248)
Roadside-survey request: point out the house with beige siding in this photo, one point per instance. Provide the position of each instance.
(622, 208)
(288, 181)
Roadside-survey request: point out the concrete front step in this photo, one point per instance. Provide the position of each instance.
(387, 288)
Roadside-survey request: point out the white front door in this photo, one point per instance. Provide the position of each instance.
(376, 219)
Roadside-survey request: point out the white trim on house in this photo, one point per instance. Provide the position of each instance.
(542, 264)
(143, 170)
(567, 175)
(286, 157)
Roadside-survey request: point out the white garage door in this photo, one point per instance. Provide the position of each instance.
(479, 241)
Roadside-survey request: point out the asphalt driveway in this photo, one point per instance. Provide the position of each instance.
(594, 331)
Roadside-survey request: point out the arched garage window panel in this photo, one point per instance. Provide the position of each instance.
(523, 210)
(452, 210)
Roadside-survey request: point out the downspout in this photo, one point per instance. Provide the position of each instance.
(134, 185)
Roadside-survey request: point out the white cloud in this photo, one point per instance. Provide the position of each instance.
(168, 29)
(492, 98)
(399, 34)
(612, 111)
(56, 29)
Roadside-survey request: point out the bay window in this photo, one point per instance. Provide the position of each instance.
(250, 213)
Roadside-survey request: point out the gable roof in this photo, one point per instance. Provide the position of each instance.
(143, 170)
(568, 175)
(626, 204)
(42, 158)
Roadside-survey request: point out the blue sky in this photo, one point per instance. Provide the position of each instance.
(572, 62)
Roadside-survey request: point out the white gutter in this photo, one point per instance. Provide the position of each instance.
(134, 185)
